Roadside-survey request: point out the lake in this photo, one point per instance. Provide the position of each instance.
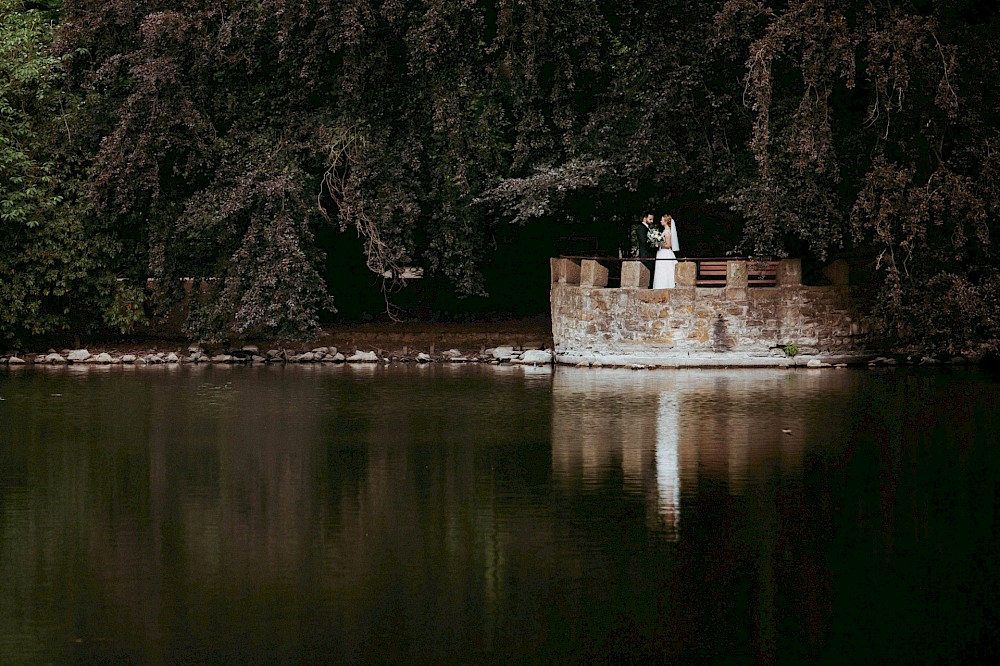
(483, 514)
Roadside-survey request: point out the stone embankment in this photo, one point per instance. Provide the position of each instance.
(808, 362)
(251, 355)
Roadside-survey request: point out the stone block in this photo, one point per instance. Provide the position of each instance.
(789, 273)
(566, 271)
(700, 332)
(635, 275)
(736, 293)
(655, 296)
(683, 295)
(650, 311)
(593, 274)
(686, 274)
(838, 273)
(736, 275)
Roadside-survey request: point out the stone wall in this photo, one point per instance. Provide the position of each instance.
(700, 326)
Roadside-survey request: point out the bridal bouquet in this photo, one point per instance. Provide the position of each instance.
(656, 237)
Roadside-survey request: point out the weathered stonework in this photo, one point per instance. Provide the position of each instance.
(635, 275)
(737, 324)
(593, 274)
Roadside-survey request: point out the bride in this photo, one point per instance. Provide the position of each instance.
(666, 261)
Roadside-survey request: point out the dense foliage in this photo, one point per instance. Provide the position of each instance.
(254, 143)
(56, 261)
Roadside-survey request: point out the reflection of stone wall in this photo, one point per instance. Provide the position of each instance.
(646, 325)
(662, 434)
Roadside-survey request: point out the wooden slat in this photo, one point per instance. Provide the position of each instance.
(759, 274)
(712, 274)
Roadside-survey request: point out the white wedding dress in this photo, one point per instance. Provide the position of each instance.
(666, 262)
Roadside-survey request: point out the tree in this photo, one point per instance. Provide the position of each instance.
(54, 263)
(222, 139)
(870, 131)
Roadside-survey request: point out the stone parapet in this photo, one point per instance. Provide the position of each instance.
(566, 271)
(635, 275)
(593, 274)
(789, 273)
(686, 274)
(698, 323)
(736, 275)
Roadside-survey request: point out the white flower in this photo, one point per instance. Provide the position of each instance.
(656, 237)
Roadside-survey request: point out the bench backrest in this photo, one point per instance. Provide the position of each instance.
(713, 273)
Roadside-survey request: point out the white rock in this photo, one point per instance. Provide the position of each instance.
(814, 363)
(103, 358)
(253, 349)
(339, 358)
(502, 353)
(452, 353)
(78, 355)
(320, 350)
(363, 357)
(222, 358)
(128, 358)
(14, 360)
(307, 357)
(424, 358)
(54, 359)
(537, 357)
(171, 358)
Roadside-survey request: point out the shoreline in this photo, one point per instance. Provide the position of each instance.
(515, 341)
(518, 341)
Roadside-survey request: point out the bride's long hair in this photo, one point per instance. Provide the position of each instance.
(667, 221)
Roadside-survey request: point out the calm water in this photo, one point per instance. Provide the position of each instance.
(449, 514)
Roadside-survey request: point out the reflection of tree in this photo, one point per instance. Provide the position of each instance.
(308, 514)
(172, 508)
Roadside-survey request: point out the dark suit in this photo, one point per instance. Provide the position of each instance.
(646, 250)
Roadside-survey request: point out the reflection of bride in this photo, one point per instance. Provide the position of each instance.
(666, 263)
(668, 477)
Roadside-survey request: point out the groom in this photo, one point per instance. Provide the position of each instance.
(646, 250)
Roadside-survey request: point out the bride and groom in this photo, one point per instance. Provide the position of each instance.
(663, 238)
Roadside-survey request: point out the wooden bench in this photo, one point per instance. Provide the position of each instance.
(762, 273)
(713, 273)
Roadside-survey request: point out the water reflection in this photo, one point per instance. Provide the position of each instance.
(480, 515)
(668, 475)
(664, 431)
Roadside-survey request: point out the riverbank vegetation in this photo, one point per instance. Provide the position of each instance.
(300, 156)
